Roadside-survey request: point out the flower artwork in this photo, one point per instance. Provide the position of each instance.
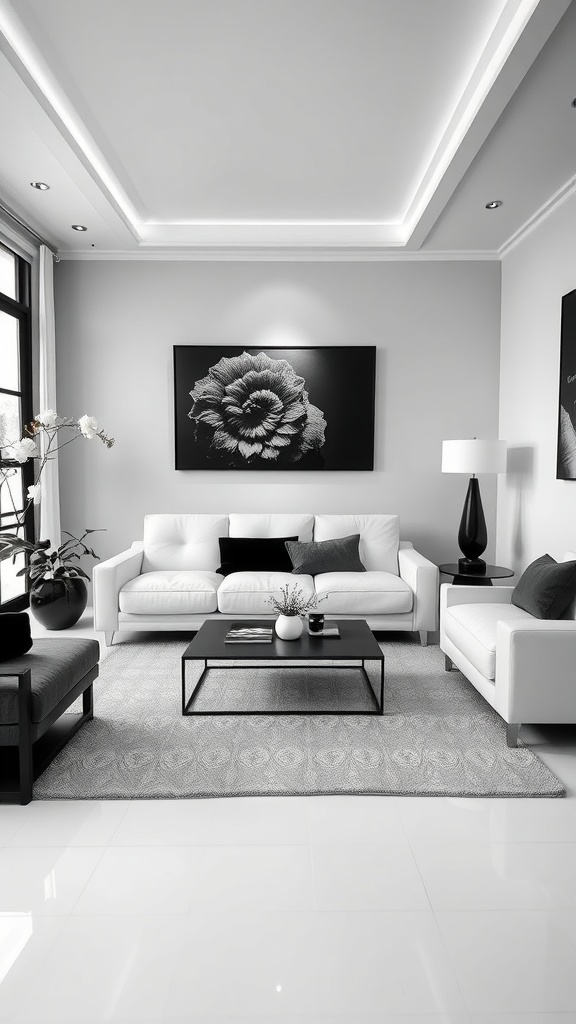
(274, 408)
(566, 450)
(254, 409)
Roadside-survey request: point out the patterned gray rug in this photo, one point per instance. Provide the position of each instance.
(438, 737)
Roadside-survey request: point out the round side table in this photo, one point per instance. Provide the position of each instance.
(493, 572)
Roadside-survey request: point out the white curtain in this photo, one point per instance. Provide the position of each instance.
(50, 502)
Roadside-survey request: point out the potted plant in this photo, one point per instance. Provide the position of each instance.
(291, 605)
(57, 590)
(58, 594)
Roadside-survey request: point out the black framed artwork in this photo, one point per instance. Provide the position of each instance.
(566, 459)
(274, 408)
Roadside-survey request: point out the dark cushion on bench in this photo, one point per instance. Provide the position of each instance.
(57, 665)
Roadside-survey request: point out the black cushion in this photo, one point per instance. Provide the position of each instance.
(257, 554)
(15, 638)
(314, 557)
(546, 587)
(56, 666)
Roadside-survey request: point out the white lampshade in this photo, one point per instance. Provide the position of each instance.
(473, 456)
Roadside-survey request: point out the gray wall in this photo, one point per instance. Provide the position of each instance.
(436, 329)
(536, 512)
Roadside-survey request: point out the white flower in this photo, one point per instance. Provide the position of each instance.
(47, 418)
(23, 450)
(89, 426)
(33, 493)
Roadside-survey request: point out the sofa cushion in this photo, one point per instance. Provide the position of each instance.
(366, 593)
(182, 541)
(546, 588)
(15, 636)
(170, 593)
(56, 665)
(379, 537)
(248, 593)
(472, 629)
(570, 613)
(313, 557)
(245, 554)
(271, 524)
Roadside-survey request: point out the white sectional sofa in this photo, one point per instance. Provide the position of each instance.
(523, 666)
(168, 581)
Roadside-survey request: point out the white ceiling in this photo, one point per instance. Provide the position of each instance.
(334, 128)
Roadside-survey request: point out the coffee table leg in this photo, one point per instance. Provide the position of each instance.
(201, 678)
(379, 703)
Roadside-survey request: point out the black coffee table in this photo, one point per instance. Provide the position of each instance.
(356, 643)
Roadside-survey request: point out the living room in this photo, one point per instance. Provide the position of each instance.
(223, 222)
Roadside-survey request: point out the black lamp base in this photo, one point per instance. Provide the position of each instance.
(472, 535)
(477, 566)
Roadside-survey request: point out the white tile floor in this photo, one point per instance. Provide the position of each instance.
(349, 910)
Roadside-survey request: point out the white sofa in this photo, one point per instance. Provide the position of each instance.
(168, 581)
(523, 666)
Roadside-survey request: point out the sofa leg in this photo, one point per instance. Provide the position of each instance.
(423, 637)
(448, 663)
(512, 733)
(108, 638)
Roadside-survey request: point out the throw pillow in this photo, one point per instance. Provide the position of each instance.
(339, 555)
(546, 588)
(257, 554)
(15, 638)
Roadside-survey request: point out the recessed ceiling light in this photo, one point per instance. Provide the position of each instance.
(573, 104)
(41, 185)
(494, 204)
(79, 227)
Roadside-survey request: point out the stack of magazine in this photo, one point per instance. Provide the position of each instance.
(239, 634)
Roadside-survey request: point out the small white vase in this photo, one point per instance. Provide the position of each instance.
(289, 627)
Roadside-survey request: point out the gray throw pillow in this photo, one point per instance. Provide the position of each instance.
(546, 587)
(314, 557)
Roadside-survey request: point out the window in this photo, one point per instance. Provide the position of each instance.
(15, 410)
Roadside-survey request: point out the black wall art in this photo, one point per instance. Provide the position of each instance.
(566, 462)
(274, 408)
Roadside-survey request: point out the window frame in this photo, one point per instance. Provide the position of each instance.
(20, 309)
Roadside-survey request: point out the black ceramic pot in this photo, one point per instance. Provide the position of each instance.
(58, 604)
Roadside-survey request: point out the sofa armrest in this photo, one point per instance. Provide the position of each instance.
(452, 593)
(421, 575)
(108, 578)
(535, 662)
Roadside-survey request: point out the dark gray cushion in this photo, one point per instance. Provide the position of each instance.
(56, 666)
(546, 587)
(314, 557)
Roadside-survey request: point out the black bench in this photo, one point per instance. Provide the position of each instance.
(35, 691)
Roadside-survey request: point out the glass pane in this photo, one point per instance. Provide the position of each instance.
(10, 420)
(7, 273)
(11, 585)
(9, 352)
(11, 496)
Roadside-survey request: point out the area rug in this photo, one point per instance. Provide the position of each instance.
(438, 737)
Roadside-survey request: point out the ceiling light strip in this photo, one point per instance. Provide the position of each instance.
(447, 148)
(30, 57)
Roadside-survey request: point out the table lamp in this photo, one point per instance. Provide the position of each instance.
(473, 456)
